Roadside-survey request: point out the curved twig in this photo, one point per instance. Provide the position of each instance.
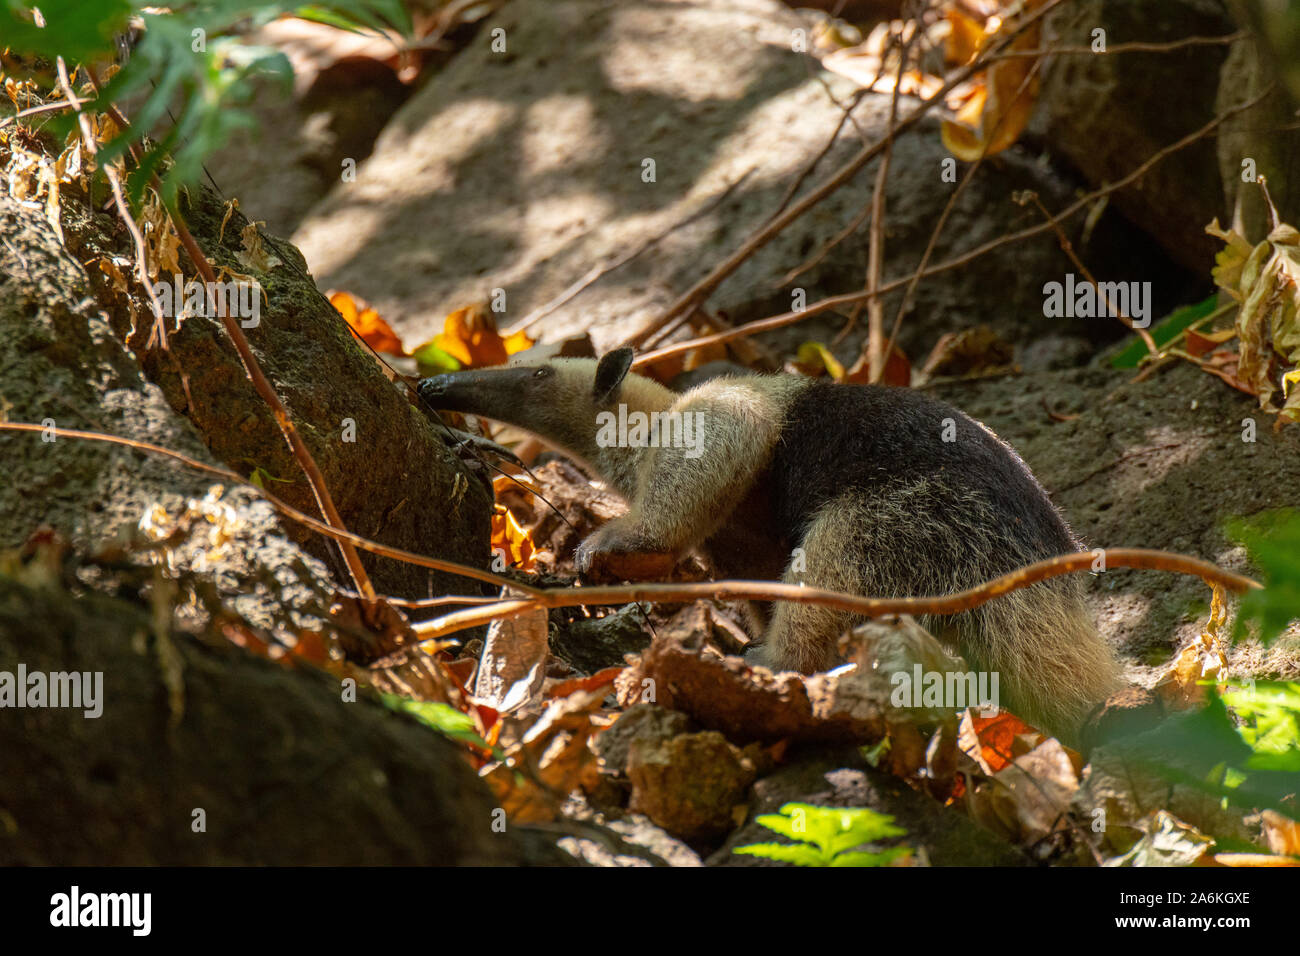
(1143, 558)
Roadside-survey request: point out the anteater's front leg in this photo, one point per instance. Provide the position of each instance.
(683, 494)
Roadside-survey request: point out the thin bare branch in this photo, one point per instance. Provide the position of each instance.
(834, 302)
(702, 289)
(315, 524)
(869, 607)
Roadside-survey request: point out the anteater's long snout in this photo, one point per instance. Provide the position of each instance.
(478, 391)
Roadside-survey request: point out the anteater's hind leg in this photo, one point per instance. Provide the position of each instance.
(804, 637)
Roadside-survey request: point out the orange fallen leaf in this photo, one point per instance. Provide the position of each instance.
(470, 336)
(599, 679)
(997, 737)
(1282, 833)
(366, 322)
(512, 540)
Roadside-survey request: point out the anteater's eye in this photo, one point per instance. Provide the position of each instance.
(542, 373)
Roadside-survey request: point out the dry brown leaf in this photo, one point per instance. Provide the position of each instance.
(991, 110)
(555, 747)
(512, 667)
(1202, 343)
(254, 255)
(161, 243)
(1265, 279)
(1201, 660)
(1039, 785)
(112, 267)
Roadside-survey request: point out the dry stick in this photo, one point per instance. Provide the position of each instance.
(315, 524)
(845, 116)
(1068, 248)
(869, 607)
(119, 199)
(764, 235)
(1135, 46)
(876, 244)
(905, 305)
(857, 221)
(679, 593)
(834, 302)
(43, 108)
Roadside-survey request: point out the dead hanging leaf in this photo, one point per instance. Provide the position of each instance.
(1265, 279)
(105, 128)
(511, 540)
(993, 108)
(161, 244)
(112, 267)
(255, 255)
(1203, 343)
(365, 321)
(231, 205)
(33, 180)
(1201, 660)
(68, 167)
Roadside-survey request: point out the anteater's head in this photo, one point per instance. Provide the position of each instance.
(558, 399)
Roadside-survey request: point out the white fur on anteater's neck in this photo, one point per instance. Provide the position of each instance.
(570, 421)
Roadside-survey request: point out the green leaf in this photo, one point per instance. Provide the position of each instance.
(1163, 332)
(431, 360)
(379, 16)
(1273, 540)
(68, 31)
(799, 854)
(447, 720)
(832, 830)
(1247, 759)
(863, 858)
(192, 100)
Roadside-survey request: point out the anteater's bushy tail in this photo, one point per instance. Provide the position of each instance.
(926, 539)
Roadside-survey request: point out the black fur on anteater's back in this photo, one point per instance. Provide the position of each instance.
(870, 439)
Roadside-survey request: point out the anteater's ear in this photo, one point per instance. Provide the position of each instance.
(610, 372)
